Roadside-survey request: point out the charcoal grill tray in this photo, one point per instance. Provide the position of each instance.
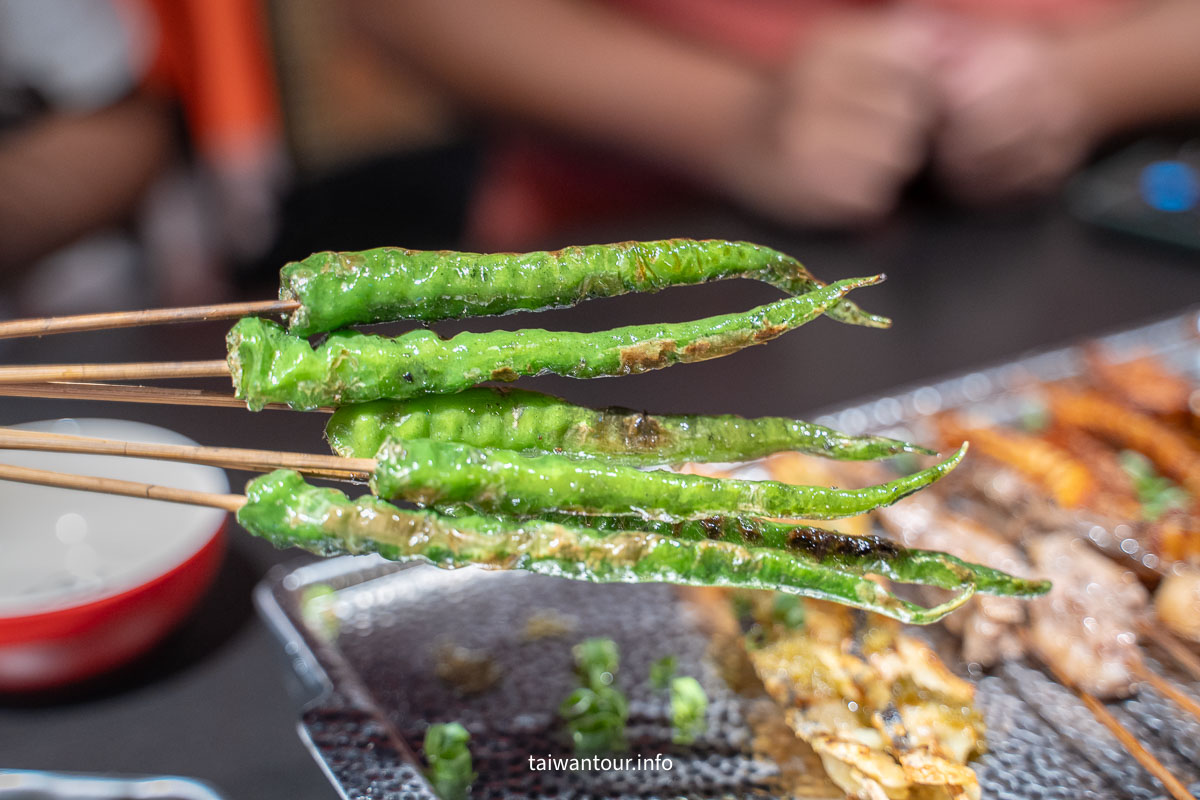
(370, 661)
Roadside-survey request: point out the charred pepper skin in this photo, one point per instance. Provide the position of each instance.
(285, 510)
(269, 365)
(390, 283)
(859, 555)
(504, 482)
(532, 423)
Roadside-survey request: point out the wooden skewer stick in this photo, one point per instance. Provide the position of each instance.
(321, 466)
(1168, 690)
(88, 483)
(1106, 718)
(41, 326)
(1173, 647)
(113, 372)
(124, 393)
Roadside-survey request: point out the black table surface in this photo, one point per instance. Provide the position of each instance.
(214, 700)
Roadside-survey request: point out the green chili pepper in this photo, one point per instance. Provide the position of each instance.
(689, 705)
(269, 365)
(340, 289)
(857, 555)
(531, 423)
(283, 509)
(450, 770)
(500, 481)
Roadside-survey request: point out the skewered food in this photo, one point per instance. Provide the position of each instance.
(1140, 382)
(1086, 625)
(285, 510)
(388, 283)
(988, 625)
(531, 423)
(1177, 603)
(793, 468)
(269, 365)
(1066, 479)
(501, 481)
(1087, 629)
(1169, 451)
(1115, 494)
(861, 554)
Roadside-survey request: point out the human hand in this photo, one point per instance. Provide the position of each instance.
(850, 124)
(1013, 121)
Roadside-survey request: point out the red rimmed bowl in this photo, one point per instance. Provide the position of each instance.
(89, 581)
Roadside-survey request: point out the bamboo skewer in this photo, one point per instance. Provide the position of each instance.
(148, 491)
(321, 466)
(1135, 748)
(1168, 690)
(1173, 647)
(113, 372)
(124, 393)
(41, 326)
(1173, 785)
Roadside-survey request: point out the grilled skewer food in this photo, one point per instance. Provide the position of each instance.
(389, 283)
(1087, 624)
(285, 510)
(270, 365)
(532, 423)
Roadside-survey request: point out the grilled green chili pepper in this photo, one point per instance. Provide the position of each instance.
(269, 365)
(340, 289)
(531, 423)
(283, 509)
(858, 555)
(501, 481)
(450, 769)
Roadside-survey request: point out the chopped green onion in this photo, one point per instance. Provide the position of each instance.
(662, 671)
(449, 759)
(689, 705)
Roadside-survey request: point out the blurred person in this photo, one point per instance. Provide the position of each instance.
(99, 177)
(811, 113)
(79, 144)
(1024, 104)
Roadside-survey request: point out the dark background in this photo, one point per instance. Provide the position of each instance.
(964, 289)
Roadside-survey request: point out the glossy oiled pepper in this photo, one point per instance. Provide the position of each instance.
(269, 365)
(532, 423)
(282, 508)
(858, 555)
(340, 289)
(501, 481)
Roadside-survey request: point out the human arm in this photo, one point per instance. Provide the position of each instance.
(781, 142)
(67, 175)
(1024, 107)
